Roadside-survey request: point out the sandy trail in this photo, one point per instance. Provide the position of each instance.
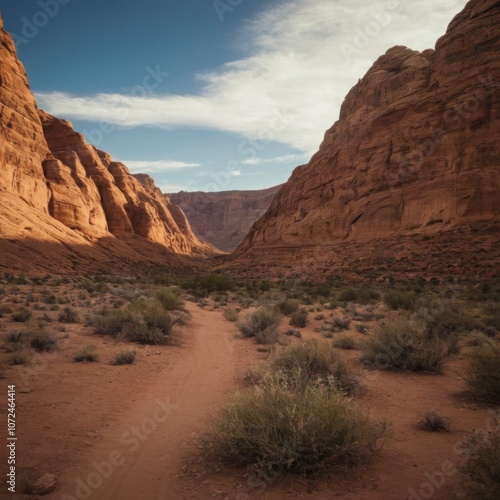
(144, 454)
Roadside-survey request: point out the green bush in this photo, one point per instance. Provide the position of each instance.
(314, 361)
(68, 315)
(145, 321)
(276, 428)
(398, 299)
(482, 466)
(87, 354)
(299, 318)
(262, 324)
(169, 299)
(403, 345)
(483, 374)
(124, 358)
(288, 306)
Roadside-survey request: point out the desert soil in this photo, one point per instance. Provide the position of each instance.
(131, 432)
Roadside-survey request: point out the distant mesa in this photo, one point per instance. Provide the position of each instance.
(225, 218)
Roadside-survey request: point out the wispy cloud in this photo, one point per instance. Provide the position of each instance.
(303, 57)
(288, 158)
(157, 166)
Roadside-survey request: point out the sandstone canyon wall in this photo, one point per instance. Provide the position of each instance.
(408, 179)
(224, 218)
(59, 196)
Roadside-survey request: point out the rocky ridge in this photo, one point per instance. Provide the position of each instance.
(407, 181)
(69, 195)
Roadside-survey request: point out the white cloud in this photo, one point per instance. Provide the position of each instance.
(304, 56)
(288, 158)
(157, 166)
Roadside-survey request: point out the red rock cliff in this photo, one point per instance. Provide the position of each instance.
(414, 155)
(224, 219)
(57, 189)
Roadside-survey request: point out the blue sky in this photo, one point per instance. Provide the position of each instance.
(210, 94)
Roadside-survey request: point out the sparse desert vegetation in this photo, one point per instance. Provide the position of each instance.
(314, 365)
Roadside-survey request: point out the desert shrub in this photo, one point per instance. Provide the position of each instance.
(261, 323)
(275, 427)
(288, 306)
(491, 312)
(110, 322)
(434, 422)
(124, 358)
(447, 318)
(403, 345)
(204, 284)
(43, 341)
(21, 358)
(345, 342)
(314, 361)
(169, 299)
(231, 315)
(361, 328)
(145, 321)
(86, 354)
(4, 310)
(35, 338)
(291, 332)
(299, 318)
(349, 295)
(483, 374)
(482, 466)
(342, 323)
(68, 315)
(367, 296)
(22, 315)
(399, 299)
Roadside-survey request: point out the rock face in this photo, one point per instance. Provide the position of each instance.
(225, 218)
(409, 173)
(69, 193)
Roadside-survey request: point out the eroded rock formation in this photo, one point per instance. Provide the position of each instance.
(225, 218)
(409, 173)
(67, 194)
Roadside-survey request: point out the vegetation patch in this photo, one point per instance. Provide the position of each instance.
(402, 344)
(483, 374)
(281, 428)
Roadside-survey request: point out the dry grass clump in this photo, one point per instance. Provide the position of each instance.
(482, 466)
(483, 374)
(86, 354)
(145, 321)
(290, 428)
(262, 324)
(126, 357)
(402, 344)
(434, 422)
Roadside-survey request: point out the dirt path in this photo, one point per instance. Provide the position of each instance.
(142, 457)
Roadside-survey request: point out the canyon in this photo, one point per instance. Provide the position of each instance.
(224, 218)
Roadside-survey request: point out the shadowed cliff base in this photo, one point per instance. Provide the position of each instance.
(133, 257)
(462, 253)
